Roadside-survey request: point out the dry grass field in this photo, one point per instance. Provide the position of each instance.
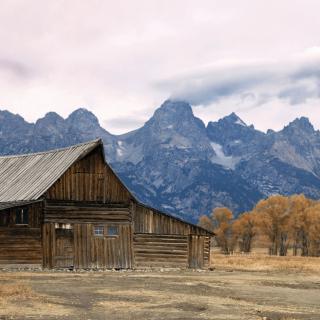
(240, 287)
(262, 262)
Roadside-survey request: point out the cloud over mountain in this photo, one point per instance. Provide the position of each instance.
(107, 55)
(295, 80)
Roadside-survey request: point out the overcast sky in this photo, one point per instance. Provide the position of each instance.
(122, 59)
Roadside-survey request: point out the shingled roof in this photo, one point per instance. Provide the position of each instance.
(27, 177)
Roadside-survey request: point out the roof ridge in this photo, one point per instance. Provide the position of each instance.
(97, 141)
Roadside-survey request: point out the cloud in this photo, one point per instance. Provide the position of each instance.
(15, 68)
(122, 123)
(295, 79)
(299, 94)
(107, 56)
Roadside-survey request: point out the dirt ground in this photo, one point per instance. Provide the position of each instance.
(134, 295)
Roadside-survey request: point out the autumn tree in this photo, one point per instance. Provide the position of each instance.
(244, 229)
(222, 226)
(298, 204)
(314, 231)
(220, 222)
(206, 223)
(310, 231)
(285, 221)
(272, 218)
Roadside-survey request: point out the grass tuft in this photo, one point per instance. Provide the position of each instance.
(15, 292)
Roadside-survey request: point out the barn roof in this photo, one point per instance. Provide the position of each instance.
(27, 177)
(14, 204)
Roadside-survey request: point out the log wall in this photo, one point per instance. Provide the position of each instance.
(73, 212)
(206, 262)
(21, 244)
(148, 220)
(153, 250)
(175, 251)
(199, 252)
(163, 241)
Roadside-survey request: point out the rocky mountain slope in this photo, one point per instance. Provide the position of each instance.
(176, 163)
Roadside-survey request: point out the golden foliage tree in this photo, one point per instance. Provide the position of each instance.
(315, 231)
(244, 229)
(311, 231)
(285, 221)
(222, 226)
(220, 222)
(298, 204)
(272, 215)
(206, 223)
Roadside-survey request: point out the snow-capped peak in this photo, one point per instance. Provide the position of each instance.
(240, 122)
(233, 118)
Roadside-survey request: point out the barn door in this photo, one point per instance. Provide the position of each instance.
(64, 249)
(196, 252)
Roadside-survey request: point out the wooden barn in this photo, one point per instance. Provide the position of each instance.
(66, 208)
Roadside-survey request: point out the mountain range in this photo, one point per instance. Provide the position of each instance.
(176, 163)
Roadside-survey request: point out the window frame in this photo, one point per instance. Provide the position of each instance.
(112, 235)
(95, 228)
(23, 212)
(105, 231)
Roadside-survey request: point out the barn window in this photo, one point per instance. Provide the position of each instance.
(99, 231)
(4, 219)
(22, 216)
(63, 226)
(112, 231)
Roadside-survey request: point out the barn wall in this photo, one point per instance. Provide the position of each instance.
(178, 251)
(102, 252)
(89, 179)
(77, 212)
(155, 250)
(148, 220)
(89, 251)
(206, 262)
(162, 241)
(21, 244)
(199, 252)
